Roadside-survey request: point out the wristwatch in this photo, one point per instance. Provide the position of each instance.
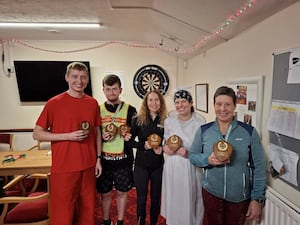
(261, 201)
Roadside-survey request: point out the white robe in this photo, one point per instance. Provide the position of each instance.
(181, 188)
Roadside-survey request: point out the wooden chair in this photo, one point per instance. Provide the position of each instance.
(41, 145)
(7, 141)
(32, 209)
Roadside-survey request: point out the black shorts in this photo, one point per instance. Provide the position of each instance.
(120, 178)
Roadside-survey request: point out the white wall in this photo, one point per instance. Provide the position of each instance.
(15, 114)
(249, 55)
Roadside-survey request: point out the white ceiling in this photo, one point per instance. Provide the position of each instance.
(187, 27)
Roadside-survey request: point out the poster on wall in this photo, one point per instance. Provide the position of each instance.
(294, 67)
(249, 93)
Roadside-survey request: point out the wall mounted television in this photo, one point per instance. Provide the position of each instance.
(40, 80)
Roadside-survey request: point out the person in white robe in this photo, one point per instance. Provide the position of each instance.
(181, 185)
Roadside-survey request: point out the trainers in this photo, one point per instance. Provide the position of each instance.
(141, 220)
(119, 222)
(107, 222)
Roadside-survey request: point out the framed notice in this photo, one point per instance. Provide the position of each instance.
(249, 93)
(202, 97)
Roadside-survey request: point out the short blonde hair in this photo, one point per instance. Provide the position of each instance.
(76, 66)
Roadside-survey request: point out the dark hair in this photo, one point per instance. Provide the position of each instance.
(186, 95)
(111, 79)
(183, 94)
(76, 66)
(224, 90)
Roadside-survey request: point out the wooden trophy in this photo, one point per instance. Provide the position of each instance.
(154, 140)
(174, 142)
(222, 150)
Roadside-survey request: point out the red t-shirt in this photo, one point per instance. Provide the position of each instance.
(62, 114)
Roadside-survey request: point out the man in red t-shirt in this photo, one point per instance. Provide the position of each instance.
(71, 122)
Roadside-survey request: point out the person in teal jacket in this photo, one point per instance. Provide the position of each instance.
(233, 189)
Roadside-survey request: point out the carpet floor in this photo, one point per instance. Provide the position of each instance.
(130, 214)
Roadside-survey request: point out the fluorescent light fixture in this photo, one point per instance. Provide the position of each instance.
(59, 25)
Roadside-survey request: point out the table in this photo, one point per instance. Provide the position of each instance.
(35, 161)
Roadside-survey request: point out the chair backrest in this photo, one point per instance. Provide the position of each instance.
(6, 140)
(41, 145)
(35, 204)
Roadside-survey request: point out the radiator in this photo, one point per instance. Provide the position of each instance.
(278, 211)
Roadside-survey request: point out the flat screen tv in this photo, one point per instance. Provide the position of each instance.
(40, 80)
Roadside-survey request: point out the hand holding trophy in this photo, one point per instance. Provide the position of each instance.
(111, 129)
(123, 130)
(154, 140)
(222, 150)
(174, 142)
(85, 126)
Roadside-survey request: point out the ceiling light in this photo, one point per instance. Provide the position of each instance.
(65, 25)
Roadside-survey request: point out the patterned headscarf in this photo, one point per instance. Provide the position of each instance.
(183, 94)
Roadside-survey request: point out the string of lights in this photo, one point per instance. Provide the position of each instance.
(232, 18)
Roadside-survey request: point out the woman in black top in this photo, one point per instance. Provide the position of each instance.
(148, 161)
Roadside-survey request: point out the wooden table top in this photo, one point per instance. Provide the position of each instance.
(35, 161)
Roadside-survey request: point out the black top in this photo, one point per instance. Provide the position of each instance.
(146, 158)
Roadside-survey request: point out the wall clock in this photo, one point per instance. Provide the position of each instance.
(150, 77)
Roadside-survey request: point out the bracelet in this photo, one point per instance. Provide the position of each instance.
(98, 156)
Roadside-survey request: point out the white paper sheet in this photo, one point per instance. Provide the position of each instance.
(285, 118)
(289, 160)
(294, 67)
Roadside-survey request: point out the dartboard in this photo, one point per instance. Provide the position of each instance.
(150, 77)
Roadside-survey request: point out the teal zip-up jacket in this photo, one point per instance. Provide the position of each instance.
(244, 178)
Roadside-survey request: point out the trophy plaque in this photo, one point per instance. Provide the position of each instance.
(174, 142)
(85, 126)
(111, 129)
(154, 140)
(123, 130)
(222, 150)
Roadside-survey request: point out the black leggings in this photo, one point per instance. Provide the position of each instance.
(142, 176)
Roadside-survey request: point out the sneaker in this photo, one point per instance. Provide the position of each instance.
(141, 221)
(120, 222)
(107, 222)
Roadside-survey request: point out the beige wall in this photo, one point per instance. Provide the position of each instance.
(248, 55)
(15, 114)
